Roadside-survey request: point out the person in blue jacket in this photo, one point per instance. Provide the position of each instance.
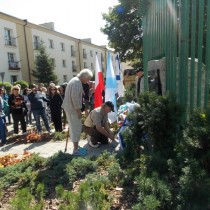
(37, 99)
(2, 123)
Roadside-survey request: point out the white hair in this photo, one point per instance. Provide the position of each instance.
(85, 73)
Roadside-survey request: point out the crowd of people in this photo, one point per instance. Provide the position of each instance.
(31, 104)
(60, 105)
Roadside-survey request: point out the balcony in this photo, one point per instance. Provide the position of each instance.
(10, 42)
(14, 65)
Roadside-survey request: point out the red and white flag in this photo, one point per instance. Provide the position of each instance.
(99, 85)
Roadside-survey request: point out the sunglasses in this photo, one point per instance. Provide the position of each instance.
(15, 89)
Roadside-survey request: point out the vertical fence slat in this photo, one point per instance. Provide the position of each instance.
(192, 69)
(145, 50)
(200, 48)
(207, 56)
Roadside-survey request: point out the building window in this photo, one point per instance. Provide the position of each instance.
(72, 51)
(85, 65)
(36, 42)
(51, 44)
(53, 62)
(74, 67)
(84, 53)
(9, 38)
(65, 79)
(13, 78)
(64, 63)
(62, 46)
(91, 65)
(91, 53)
(13, 64)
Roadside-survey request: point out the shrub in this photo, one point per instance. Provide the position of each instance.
(79, 168)
(105, 160)
(83, 166)
(94, 193)
(194, 187)
(7, 86)
(55, 171)
(22, 200)
(21, 173)
(157, 188)
(197, 133)
(22, 83)
(154, 126)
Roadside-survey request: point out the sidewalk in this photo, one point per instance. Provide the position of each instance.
(49, 148)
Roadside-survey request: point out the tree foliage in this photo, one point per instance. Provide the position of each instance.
(44, 72)
(124, 29)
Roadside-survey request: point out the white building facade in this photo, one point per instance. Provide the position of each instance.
(19, 43)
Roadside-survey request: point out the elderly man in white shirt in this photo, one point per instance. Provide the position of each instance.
(72, 105)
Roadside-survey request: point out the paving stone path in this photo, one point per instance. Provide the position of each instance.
(49, 148)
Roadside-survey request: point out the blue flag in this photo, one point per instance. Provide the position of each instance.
(111, 88)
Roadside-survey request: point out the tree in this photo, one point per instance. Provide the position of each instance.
(44, 72)
(124, 29)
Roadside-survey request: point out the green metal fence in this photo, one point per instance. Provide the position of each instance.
(179, 30)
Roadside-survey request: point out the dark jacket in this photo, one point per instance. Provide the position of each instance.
(37, 100)
(16, 108)
(55, 102)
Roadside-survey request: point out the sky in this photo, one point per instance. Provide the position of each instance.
(77, 18)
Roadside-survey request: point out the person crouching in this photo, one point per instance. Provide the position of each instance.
(96, 125)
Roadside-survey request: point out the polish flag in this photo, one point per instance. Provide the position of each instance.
(99, 85)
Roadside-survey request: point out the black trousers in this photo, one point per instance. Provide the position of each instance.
(19, 118)
(96, 136)
(56, 118)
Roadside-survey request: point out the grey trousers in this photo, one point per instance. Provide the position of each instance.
(96, 136)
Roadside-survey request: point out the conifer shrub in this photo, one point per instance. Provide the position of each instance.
(155, 126)
(94, 193)
(55, 171)
(198, 134)
(78, 168)
(22, 173)
(19, 203)
(194, 187)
